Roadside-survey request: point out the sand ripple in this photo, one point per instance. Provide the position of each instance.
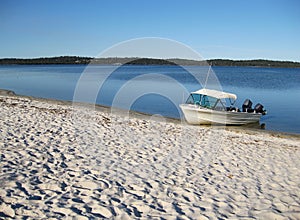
(109, 166)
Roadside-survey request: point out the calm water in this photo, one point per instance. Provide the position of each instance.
(159, 89)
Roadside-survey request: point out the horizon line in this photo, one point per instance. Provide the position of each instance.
(116, 57)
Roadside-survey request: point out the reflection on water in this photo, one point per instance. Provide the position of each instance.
(255, 125)
(278, 89)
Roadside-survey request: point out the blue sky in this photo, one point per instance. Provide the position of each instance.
(233, 29)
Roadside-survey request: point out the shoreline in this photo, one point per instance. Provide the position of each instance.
(61, 162)
(117, 64)
(98, 107)
(142, 115)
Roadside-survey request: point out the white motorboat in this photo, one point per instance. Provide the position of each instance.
(207, 106)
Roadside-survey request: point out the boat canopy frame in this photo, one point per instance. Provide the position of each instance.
(218, 95)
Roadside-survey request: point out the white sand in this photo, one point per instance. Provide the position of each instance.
(61, 163)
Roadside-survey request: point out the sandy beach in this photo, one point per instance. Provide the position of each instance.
(58, 161)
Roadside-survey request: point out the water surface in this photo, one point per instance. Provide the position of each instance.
(157, 89)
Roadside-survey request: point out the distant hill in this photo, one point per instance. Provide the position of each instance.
(145, 61)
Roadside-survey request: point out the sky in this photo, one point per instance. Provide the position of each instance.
(231, 29)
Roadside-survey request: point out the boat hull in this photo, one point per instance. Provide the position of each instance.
(195, 114)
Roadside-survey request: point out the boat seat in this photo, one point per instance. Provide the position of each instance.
(249, 110)
(231, 109)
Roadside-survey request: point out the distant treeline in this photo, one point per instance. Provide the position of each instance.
(145, 61)
(258, 63)
(46, 60)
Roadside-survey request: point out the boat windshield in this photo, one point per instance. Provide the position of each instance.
(203, 100)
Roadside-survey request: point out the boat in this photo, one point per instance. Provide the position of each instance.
(207, 106)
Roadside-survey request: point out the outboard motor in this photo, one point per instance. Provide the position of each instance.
(247, 106)
(259, 108)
